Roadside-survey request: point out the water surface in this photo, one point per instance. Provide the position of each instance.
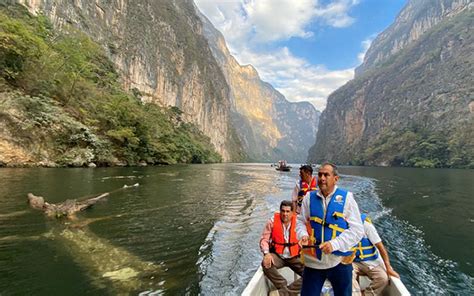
(194, 229)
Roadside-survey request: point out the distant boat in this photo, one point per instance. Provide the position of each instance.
(260, 285)
(282, 166)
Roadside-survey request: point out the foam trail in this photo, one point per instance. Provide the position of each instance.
(230, 254)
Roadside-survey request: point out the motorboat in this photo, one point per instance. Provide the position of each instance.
(259, 285)
(282, 166)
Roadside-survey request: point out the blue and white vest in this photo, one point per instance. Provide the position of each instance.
(329, 224)
(365, 250)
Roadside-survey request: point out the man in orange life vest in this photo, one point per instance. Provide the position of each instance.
(280, 248)
(306, 183)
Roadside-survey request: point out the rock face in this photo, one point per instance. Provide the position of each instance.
(411, 101)
(413, 21)
(269, 126)
(160, 51)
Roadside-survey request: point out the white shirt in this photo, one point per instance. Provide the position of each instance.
(372, 234)
(286, 235)
(296, 189)
(344, 242)
(294, 196)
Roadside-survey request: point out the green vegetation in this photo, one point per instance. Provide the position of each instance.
(60, 89)
(419, 147)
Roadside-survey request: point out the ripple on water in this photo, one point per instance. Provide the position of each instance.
(230, 253)
(421, 271)
(203, 232)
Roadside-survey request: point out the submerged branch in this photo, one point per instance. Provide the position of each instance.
(69, 207)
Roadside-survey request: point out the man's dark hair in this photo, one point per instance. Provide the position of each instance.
(307, 168)
(286, 203)
(334, 167)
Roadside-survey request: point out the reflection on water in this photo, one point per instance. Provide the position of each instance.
(190, 230)
(104, 262)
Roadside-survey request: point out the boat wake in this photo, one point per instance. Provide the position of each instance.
(230, 254)
(422, 271)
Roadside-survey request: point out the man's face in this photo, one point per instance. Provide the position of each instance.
(285, 214)
(326, 179)
(304, 175)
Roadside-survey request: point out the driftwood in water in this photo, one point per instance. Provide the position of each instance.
(69, 207)
(108, 265)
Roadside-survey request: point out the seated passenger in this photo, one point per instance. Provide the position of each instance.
(367, 261)
(280, 248)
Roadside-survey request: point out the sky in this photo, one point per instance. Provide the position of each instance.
(305, 48)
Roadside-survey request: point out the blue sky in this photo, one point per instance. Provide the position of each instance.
(305, 48)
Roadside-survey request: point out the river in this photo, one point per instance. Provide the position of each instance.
(194, 229)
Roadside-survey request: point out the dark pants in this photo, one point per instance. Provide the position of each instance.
(340, 277)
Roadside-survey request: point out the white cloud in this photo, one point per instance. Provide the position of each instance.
(249, 24)
(336, 13)
(229, 18)
(295, 78)
(279, 19)
(259, 21)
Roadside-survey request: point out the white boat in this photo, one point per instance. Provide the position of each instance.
(259, 285)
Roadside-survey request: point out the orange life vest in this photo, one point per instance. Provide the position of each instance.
(278, 236)
(305, 188)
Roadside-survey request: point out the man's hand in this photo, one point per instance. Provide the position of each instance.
(326, 247)
(303, 241)
(391, 272)
(267, 260)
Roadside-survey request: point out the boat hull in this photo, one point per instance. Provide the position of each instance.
(259, 285)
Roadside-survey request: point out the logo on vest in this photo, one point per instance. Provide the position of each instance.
(338, 198)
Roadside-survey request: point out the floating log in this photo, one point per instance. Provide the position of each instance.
(70, 207)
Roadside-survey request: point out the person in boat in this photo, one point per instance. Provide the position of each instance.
(334, 228)
(306, 183)
(368, 262)
(280, 248)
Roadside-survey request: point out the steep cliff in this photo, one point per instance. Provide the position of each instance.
(413, 21)
(270, 127)
(160, 51)
(62, 104)
(411, 103)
